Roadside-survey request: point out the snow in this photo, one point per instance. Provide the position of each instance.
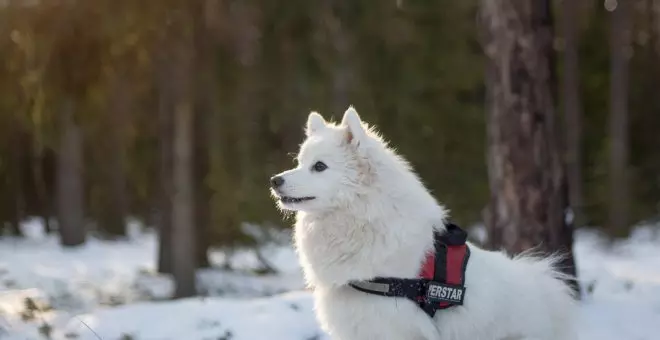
(109, 290)
(285, 316)
(621, 285)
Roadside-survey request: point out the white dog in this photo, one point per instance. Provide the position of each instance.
(363, 213)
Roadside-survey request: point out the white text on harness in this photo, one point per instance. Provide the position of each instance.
(437, 291)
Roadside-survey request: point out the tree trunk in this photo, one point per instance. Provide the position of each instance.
(572, 111)
(165, 131)
(202, 192)
(247, 18)
(204, 95)
(70, 214)
(115, 208)
(619, 143)
(16, 186)
(525, 169)
(43, 196)
(184, 259)
(335, 21)
(184, 234)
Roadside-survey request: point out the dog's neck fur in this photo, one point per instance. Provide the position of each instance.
(356, 241)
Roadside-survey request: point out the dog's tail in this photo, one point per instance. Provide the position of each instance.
(552, 277)
(555, 265)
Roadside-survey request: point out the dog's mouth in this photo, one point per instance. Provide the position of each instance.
(289, 199)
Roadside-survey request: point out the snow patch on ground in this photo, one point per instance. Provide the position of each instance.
(621, 285)
(108, 273)
(286, 316)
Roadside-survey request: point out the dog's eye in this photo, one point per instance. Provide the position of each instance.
(319, 166)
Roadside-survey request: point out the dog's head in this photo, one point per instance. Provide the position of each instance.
(332, 169)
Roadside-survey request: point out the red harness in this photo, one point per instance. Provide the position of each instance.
(441, 282)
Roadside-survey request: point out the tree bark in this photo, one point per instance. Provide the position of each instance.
(203, 193)
(16, 184)
(619, 140)
(113, 220)
(182, 54)
(525, 168)
(202, 207)
(183, 231)
(205, 91)
(70, 214)
(42, 193)
(341, 75)
(165, 132)
(573, 111)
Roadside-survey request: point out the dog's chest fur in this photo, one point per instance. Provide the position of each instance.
(335, 250)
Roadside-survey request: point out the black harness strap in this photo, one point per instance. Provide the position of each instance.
(442, 284)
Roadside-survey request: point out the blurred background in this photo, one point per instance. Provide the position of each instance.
(137, 138)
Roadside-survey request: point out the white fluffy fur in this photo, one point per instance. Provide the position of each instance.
(372, 216)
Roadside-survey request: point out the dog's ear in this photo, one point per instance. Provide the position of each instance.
(315, 123)
(354, 129)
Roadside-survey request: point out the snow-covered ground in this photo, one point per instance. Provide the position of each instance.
(109, 290)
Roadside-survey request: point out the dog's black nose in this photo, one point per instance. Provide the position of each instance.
(276, 181)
